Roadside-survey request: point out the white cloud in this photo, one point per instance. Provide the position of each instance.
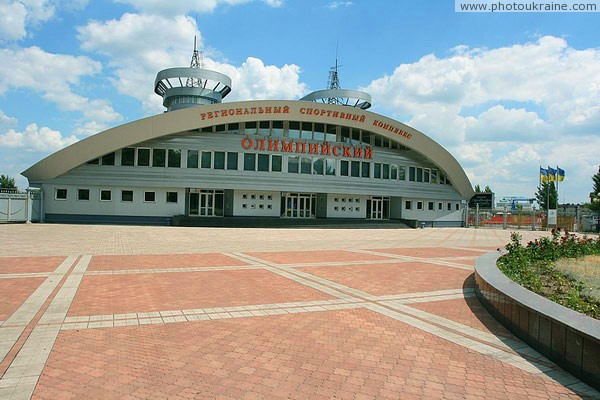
(184, 7)
(35, 139)
(16, 16)
(337, 4)
(501, 124)
(137, 60)
(6, 121)
(54, 76)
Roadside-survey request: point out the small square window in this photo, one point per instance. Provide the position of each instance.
(150, 197)
(343, 199)
(449, 206)
(127, 195)
(269, 197)
(83, 194)
(419, 205)
(171, 197)
(105, 195)
(253, 197)
(357, 200)
(349, 208)
(261, 206)
(244, 205)
(343, 208)
(60, 194)
(253, 206)
(336, 200)
(408, 205)
(269, 206)
(244, 196)
(430, 206)
(440, 206)
(336, 208)
(350, 200)
(261, 197)
(357, 209)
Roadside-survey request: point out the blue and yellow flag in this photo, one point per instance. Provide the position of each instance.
(543, 175)
(561, 174)
(551, 174)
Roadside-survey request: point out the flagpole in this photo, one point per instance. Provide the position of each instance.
(557, 195)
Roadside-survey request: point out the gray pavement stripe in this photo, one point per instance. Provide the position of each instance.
(31, 359)
(342, 263)
(418, 259)
(26, 275)
(166, 270)
(13, 327)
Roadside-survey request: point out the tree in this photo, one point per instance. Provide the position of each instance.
(6, 182)
(547, 192)
(487, 189)
(595, 195)
(477, 189)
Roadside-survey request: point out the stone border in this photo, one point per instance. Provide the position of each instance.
(570, 339)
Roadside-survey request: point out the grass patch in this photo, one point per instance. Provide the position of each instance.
(563, 268)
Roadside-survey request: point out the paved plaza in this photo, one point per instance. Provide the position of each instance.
(116, 312)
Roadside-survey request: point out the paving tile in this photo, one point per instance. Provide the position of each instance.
(157, 261)
(297, 257)
(14, 292)
(13, 265)
(405, 277)
(330, 354)
(123, 294)
(430, 252)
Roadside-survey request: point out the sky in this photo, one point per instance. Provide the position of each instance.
(505, 93)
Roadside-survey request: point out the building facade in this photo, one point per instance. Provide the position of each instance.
(270, 159)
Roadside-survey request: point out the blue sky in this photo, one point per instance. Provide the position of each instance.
(503, 92)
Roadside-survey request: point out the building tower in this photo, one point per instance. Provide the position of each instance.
(192, 86)
(334, 94)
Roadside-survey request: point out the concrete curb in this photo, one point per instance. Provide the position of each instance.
(570, 339)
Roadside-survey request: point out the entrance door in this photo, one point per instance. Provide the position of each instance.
(376, 211)
(298, 205)
(206, 203)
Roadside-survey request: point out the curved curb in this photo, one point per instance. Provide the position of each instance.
(570, 339)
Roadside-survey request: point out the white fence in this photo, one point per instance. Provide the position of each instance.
(20, 206)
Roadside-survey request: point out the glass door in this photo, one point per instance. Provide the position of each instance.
(206, 203)
(298, 205)
(376, 211)
(194, 202)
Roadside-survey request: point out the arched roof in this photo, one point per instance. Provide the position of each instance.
(203, 116)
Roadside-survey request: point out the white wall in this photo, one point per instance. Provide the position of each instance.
(94, 205)
(346, 206)
(436, 215)
(256, 203)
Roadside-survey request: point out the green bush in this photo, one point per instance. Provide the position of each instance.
(533, 267)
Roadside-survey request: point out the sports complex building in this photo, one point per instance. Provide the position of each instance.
(321, 157)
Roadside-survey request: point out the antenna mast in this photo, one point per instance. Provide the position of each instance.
(197, 62)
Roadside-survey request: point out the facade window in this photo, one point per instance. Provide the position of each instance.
(105, 195)
(249, 162)
(277, 128)
(449, 206)
(206, 161)
(233, 129)
(263, 162)
(294, 129)
(250, 128)
(394, 172)
(419, 205)
(95, 161)
(330, 132)
(306, 130)
(192, 158)
(419, 174)
(426, 175)
(345, 134)
(60, 194)
(434, 175)
(386, 171)
(174, 158)
(318, 166)
(408, 205)
(149, 197)
(412, 174)
(108, 159)
(402, 172)
(457, 206)
(344, 166)
(220, 128)
(83, 194)
(128, 156)
(355, 168)
(366, 137)
(232, 161)
(377, 171)
(159, 157)
(219, 160)
(293, 164)
(207, 129)
(171, 197)
(305, 165)
(365, 171)
(377, 140)
(440, 207)
(442, 179)
(127, 195)
(330, 166)
(143, 157)
(276, 162)
(431, 206)
(263, 128)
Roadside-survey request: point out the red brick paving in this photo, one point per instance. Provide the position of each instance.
(431, 252)
(158, 261)
(467, 311)
(293, 257)
(20, 265)
(354, 354)
(403, 277)
(14, 292)
(116, 294)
